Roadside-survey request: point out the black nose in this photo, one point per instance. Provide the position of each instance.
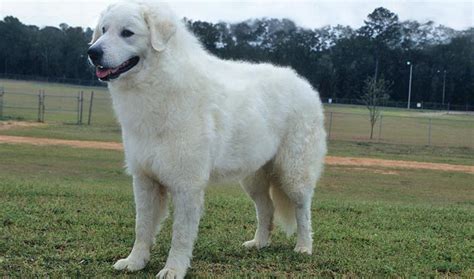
(95, 54)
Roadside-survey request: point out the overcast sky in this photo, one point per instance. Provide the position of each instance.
(458, 14)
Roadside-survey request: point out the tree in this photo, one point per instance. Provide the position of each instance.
(383, 29)
(334, 59)
(376, 93)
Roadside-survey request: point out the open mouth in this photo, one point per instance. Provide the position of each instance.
(106, 74)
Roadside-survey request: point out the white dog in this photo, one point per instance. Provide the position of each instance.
(189, 119)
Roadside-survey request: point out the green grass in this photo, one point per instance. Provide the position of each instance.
(68, 212)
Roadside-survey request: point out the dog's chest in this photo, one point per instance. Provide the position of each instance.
(140, 152)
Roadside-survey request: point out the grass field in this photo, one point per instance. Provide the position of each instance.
(68, 212)
(348, 123)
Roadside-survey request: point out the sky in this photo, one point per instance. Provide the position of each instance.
(457, 14)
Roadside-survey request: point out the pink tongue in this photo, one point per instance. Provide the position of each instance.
(101, 73)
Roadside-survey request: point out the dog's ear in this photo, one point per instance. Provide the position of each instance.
(97, 30)
(95, 34)
(162, 27)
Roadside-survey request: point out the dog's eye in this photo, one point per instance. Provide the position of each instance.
(103, 30)
(126, 33)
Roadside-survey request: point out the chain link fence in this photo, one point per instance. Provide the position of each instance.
(94, 107)
(82, 107)
(426, 130)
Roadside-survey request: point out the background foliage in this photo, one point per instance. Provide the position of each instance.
(335, 59)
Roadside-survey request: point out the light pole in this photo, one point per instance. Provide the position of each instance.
(409, 83)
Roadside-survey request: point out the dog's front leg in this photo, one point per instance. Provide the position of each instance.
(151, 209)
(188, 206)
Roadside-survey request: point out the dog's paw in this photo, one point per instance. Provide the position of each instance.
(130, 264)
(303, 250)
(255, 244)
(169, 273)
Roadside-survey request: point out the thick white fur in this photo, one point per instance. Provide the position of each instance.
(189, 119)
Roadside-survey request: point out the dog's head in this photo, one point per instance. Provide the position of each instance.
(126, 34)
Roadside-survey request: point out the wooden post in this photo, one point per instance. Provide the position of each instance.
(90, 108)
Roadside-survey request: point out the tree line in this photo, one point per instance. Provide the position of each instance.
(336, 60)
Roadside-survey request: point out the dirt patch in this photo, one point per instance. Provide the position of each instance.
(381, 163)
(72, 143)
(360, 163)
(6, 125)
(378, 171)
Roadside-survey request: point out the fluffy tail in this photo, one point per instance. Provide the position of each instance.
(284, 210)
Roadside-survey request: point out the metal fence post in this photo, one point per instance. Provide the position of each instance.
(90, 108)
(330, 125)
(77, 107)
(82, 107)
(2, 92)
(380, 127)
(80, 95)
(39, 105)
(429, 131)
(43, 108)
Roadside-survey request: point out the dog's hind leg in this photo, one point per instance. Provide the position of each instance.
(299, 191)
(257, 187)
(151, 209)
(298, 166)
(304, 242)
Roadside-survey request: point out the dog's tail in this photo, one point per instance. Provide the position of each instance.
(284, 215)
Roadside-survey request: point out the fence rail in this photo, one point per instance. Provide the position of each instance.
(95, 108)
(83, 82)
(398, 104)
